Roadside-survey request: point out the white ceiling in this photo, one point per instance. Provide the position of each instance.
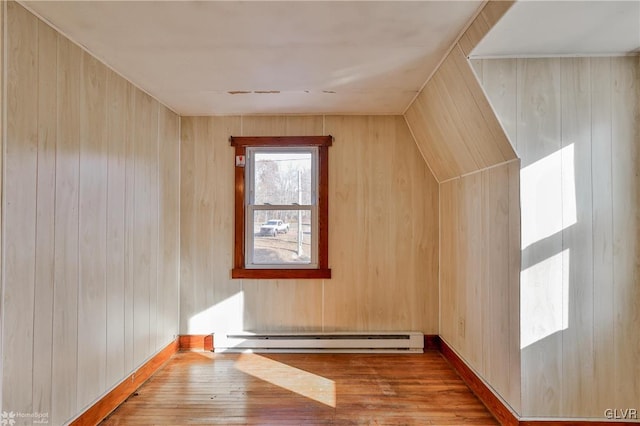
(202, 58)
(571, 28)
(353, 57)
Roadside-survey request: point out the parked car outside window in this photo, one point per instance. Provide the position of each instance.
(274, 227)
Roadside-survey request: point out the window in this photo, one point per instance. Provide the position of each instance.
(281, 207)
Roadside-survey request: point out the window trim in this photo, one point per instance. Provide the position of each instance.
(239, 266)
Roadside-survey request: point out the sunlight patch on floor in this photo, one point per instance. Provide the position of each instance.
(293, 379)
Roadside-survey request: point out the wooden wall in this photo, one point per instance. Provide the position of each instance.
(383, 239)
(452, 122)
(466, 147)
(90, 224)
(2, 127)
(479, 268)
(575, 124)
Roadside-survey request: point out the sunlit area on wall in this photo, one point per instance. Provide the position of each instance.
(544, 302)
(222, 316)
(548, 208)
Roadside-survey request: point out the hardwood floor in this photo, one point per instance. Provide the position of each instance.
(309, 389)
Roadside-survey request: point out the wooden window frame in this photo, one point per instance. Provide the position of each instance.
(239, 266)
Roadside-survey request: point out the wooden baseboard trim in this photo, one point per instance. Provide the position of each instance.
(477, 386)
(432, 342)
(196, 342)
(572, 423)
(109, 402)
(494, 404)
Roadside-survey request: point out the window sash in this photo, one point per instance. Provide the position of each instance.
(250, 238)
(250, 172)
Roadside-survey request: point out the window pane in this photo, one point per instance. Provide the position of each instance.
(282, 237)
(282, 178)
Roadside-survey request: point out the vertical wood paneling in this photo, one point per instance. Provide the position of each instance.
(515, 376)
(169, 236)
(625, 116)
(496, 285)
(204, 236)
(116, 99)
(45, 235)
(143, 230)
(19, 209)
(577, 339)
(449, 323)
(348, 305)
(498, 78)
(3, 72)
(282, 305)
(383, 252)
(65, 298)
(228, 294)
(188, 139)
(154, 247)
(601, 166)
(451, 282)
(70, 195)
(589, 108)
(92, 315)
(470, 249)
(539, 135)
(209, 299)
(479, 274)
(130, 225)
(415, 189)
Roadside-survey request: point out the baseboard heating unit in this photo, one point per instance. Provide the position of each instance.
(342, 342)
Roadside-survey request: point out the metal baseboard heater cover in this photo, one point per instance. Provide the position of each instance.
(338, 342)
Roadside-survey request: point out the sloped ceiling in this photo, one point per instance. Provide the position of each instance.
(203, 58)
(452, 122)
